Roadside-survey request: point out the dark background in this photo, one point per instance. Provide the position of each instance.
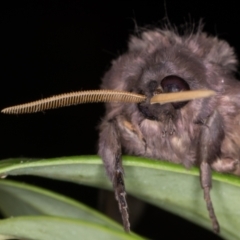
(52, 47)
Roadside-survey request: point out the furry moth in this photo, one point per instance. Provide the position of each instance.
(194, 130)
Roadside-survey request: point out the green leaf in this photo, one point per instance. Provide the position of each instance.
(22, 199)
(18, 199)
(163, 184)
(49, 228)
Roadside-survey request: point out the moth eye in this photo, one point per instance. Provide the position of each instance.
(174, 84)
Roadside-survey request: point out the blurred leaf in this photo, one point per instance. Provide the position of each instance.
(163, 184)
(49, 228)
(18, 199)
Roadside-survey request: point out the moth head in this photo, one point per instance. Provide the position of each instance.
(169, 84)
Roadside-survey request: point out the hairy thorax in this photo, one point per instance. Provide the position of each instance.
(154, 139)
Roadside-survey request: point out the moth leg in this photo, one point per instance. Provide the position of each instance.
(110, 152)
(211, 137)
(206, 183)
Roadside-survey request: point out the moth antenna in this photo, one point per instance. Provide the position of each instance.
(74, 98)
(181, 96)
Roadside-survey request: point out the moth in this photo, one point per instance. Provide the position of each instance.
(170, 96)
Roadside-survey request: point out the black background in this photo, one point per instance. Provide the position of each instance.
(52, 47)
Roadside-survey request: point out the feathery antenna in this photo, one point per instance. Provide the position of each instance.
(75, 98)
(92, 96)
(181, 96)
